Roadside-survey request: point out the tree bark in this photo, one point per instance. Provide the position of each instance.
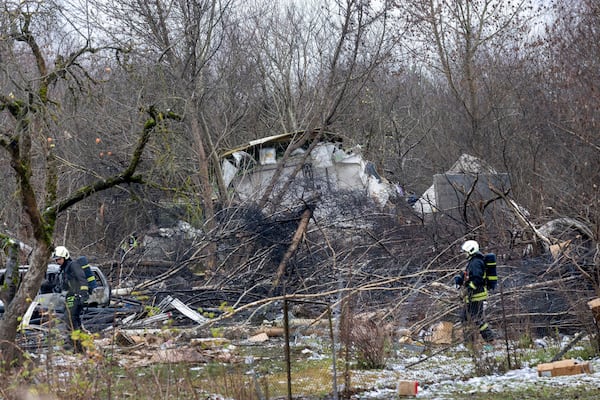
(206, 191)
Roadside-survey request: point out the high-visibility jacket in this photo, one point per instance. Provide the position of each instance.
(74, 280)
(474, 279)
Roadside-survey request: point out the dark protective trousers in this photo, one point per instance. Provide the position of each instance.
(474, 320)
(74, 307)
(72, 318)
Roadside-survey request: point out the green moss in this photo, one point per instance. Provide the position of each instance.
(151, 311)
(43, 93)
(535, 392)
(150, 123)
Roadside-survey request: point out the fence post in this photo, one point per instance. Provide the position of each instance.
(286, 330)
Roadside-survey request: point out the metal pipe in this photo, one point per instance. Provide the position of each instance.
(286, 330)
(333, 357)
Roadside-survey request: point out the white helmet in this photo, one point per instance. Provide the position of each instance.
(60, 252)
(470, 247)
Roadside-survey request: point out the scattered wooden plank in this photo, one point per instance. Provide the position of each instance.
(28, 314)
(564, 367)
(187, 311)
(442, 333)
(261, 337)
(123, 339)
(210, 343)
(594, 305)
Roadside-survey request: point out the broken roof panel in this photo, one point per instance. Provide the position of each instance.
(281, 138)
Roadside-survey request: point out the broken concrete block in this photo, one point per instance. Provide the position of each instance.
(564, 367)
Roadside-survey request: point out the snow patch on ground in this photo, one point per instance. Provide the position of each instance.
(450, 377)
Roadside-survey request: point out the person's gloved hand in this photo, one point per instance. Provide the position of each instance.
(458, 281)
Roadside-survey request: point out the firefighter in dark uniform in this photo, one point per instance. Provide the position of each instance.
(74, 282)
(475, 293)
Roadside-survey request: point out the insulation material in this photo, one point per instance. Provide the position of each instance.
(426, 203)
(267, 156)
(229, 171)
(322, 155)
(328, 168)
(377, 191)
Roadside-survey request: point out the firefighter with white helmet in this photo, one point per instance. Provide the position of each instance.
(470, 247)
(75, 283)
(473, 282)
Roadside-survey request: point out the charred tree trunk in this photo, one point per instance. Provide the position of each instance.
(304, 219)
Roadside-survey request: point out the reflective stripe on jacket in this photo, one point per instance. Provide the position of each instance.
(75, 281)
(474, 275)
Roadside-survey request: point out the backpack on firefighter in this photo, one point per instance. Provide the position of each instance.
(490, 276)
(89, 274)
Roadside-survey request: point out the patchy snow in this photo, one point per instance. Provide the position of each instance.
(451, 374)
(515, 379)
(441, 373)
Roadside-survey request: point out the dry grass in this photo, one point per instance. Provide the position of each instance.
(103, 375)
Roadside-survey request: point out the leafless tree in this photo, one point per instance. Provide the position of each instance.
(454, 38)
(314, 62)
(573, 100)
(182, 39)
(30, 111)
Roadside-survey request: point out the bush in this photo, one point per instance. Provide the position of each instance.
(370, 343)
